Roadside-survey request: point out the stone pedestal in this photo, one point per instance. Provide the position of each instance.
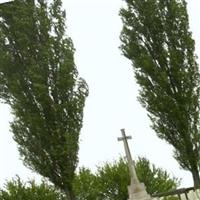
(138, 192)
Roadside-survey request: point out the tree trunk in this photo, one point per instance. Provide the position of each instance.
(70, 195)
(196, 177)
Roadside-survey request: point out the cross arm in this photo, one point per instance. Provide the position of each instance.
(123, 138)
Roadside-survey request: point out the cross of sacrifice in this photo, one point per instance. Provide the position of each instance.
(131, 165)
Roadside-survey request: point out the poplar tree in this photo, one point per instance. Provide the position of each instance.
(40, 82)
(157, 39)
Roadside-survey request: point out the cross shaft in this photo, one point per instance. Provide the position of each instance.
(131, 165)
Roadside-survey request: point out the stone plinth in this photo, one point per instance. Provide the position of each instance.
(138, 192)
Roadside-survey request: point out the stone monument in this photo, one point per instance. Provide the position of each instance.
(136, 190)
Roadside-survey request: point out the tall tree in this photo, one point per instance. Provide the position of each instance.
(111, 180)
(39, 80)
(157, 39)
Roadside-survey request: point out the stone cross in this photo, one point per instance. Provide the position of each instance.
(136, 190)
(131, 165)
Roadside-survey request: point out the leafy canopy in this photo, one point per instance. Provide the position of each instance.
(157, 40)
(111, 180)
(18, 190)
(39, 80)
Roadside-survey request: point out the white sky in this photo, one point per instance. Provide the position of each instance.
(94, 26)
(4, 1)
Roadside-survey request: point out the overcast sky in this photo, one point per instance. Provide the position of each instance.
(4, 1)
(94, 26)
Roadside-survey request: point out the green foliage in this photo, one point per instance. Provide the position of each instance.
(171, 198)
(17, 190)
(111, 180)
(156, 38)
(156, 179)
(39, 80)
(86, 185)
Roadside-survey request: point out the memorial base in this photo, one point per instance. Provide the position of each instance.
(138, 192)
